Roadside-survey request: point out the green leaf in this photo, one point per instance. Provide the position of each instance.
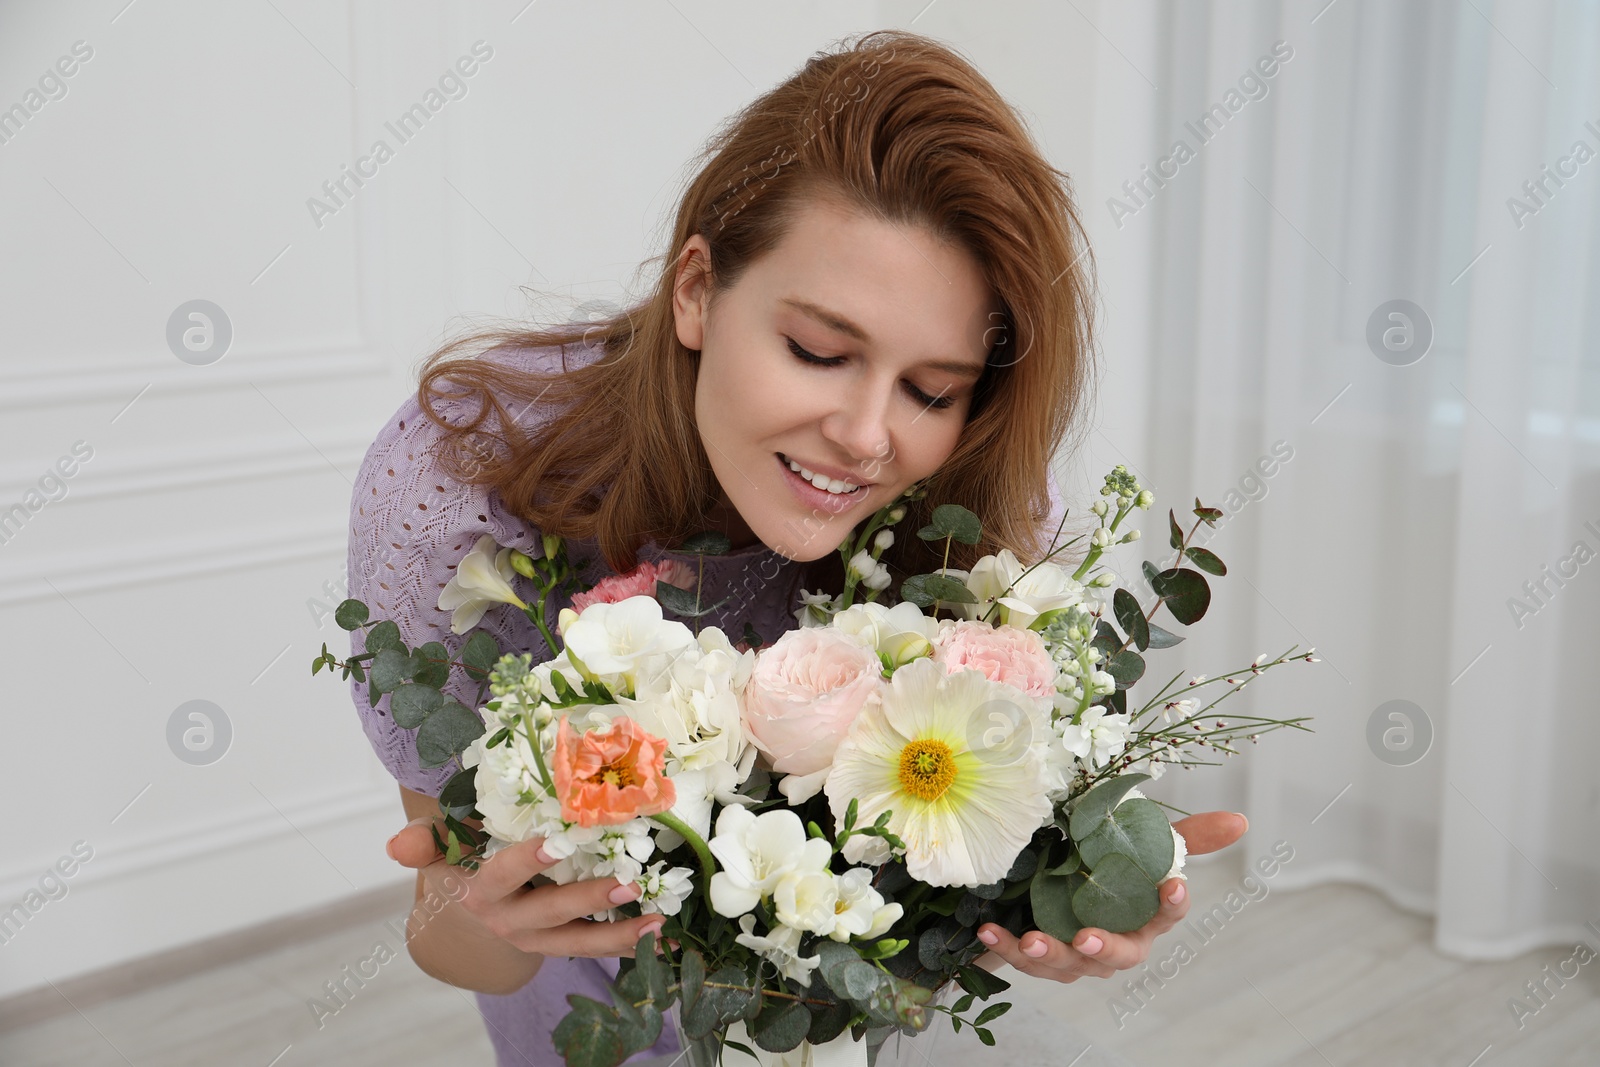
(1051, 898)
(1023, 866)
(431, 664)
(350, 614)
(480, 654)
(691, 976)
(389, 670)
(953, 520)
(708, 542)
(682, 601)
(979, 982)
(1150, 571)
(924, 589)
(985, 1036)
(652, 969)
(588, 1036)
(828, 1022)
(726, 995)
(1185, 593)
(1126, 606)
(1097, 803)
(1137, 829)
(991, 1013)
(1207, 515)
(1176, 531)
(385, 635)
(1160, 638)
(1206, 560)
(960, 1006)
(461, 791)
(1126, 667)
(1116, 896)
(782, 1025)
(413, 703)
(445, 733)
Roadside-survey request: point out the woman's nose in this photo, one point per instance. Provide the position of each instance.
(859, 426)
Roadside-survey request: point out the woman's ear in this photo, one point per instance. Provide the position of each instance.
(690, 292)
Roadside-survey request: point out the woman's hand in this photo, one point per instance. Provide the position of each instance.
(549, 920)
(1098, 952)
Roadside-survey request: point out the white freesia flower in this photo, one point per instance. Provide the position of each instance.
(883, 540)
(860, 909)
(482, 579)
(862, 564)
(902, 633)
(815, 608)
(618, 642)
(755, 852)
(963, 814)
(781, 946)
(1097, 737)
(1044, 588)
(806, 900)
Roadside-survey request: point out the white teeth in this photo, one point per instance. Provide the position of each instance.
(822, 481)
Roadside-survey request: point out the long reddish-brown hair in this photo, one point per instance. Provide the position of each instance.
(896, 126)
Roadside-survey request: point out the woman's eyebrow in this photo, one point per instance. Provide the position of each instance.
(835, 321)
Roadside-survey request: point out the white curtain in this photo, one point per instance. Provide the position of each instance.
(1390, 511)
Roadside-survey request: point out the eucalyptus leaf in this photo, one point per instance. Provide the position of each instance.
(691, 976)
(480, 654)
(431, 665)
(589, 1034)
(350, 614)
(1185, 593)
(924, 590)
(1129, 614)
(1126, 667)
(461, 791)
(1138, 829)
(708, 542)
(1050, 896)
(781, 1025)
(445, 733)
(683, 602)
(1175, 531)
(1206, 560)
(390, 670)
(385, 635)
(412, 703)
(1096, 804)
(1116, 896)
(1160, 638)
(955, 521)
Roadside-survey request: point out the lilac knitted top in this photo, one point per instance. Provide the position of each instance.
(409, 525)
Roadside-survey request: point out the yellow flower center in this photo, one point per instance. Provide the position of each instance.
(926, 769)
(618, 775)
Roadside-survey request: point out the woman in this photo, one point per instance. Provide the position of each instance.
(876, 279)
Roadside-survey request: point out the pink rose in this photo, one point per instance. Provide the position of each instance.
(641, 581)
(1007, 654)
(804, 692)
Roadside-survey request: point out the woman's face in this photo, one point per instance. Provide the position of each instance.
(905, 322)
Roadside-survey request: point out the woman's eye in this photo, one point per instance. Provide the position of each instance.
(939, 402)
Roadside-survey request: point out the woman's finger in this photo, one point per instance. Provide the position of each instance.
(1122, 951)
(1211, 831)
(551, 906)
(584, 938)
(1056, 960)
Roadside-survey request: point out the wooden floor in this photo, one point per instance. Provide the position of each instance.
(1327, 976)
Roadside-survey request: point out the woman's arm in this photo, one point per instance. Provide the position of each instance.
(487, 930)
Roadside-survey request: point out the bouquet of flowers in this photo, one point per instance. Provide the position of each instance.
(823, 822)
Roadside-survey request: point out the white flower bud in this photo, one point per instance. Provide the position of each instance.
(1144, 500)
(1101, 537)
(1131, 535)
(896, 514)
(1100, 508)
(862, 564)
(884, 539)
(878, 579)
(1104, 580)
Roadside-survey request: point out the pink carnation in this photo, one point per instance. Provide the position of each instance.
(1006, 654)
(641, 581)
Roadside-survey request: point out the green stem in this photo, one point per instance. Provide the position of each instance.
(708, 865)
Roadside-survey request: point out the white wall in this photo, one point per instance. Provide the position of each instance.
(181, 560)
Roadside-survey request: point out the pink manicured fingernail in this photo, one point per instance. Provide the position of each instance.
(1091, 945)
(542, 856)
(1035, 948)
(987, 937)
(389, 846)
(624, 893)
(653, 928)
(1177, 894)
